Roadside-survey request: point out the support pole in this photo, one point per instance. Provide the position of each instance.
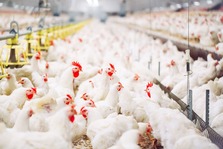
(207, 106)
(149, 62)
(189, 97)
(190, 113)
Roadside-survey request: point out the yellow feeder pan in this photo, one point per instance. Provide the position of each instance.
(31, 45)
(15, 56)
(43, 41)
(2, 70)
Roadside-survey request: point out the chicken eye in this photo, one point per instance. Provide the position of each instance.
(29, 90)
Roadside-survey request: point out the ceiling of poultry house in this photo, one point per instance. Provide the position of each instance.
(109, 6)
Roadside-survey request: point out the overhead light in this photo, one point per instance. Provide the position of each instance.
(16, 6)
(209, 2)
(178, 6)
(1, 4)
(196, 3)
(90, 2)
(93, 3)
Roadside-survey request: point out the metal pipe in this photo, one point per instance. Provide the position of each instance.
(5, 37)
(25, 33)
(171, 95)
(196, 51)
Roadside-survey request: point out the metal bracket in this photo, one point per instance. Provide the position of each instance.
(14, 27)
(41, 22)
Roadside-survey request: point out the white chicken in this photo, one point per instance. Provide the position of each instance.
(66, 81)
(181, 128)
(79, 127)
(35, 140)
(50, 68)
(109, 130)
(109, 104)
(25, 82)
(91, 114)
(18, 97)
(194, 142)
(22, 121)
(129, 139)
(101, 85)
(10, 84)
(216, 124)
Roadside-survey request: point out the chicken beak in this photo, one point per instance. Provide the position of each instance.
(71, 101)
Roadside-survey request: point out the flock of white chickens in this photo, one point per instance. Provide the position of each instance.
(205, 28)
(97, 83)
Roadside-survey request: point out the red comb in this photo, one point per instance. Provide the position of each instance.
(47, 65)
(82, 109)
(83, 95)
(112, 66)
(34, 89)
(149, 129)
(150, 84)
(38, 55)
(149, 94)
(77, 64)
(80, 39)
(172, 62)
(69, 96)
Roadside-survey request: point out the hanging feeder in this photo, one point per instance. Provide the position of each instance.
(2, 69)
(31, 44)
(13, 54)
(42, 36)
